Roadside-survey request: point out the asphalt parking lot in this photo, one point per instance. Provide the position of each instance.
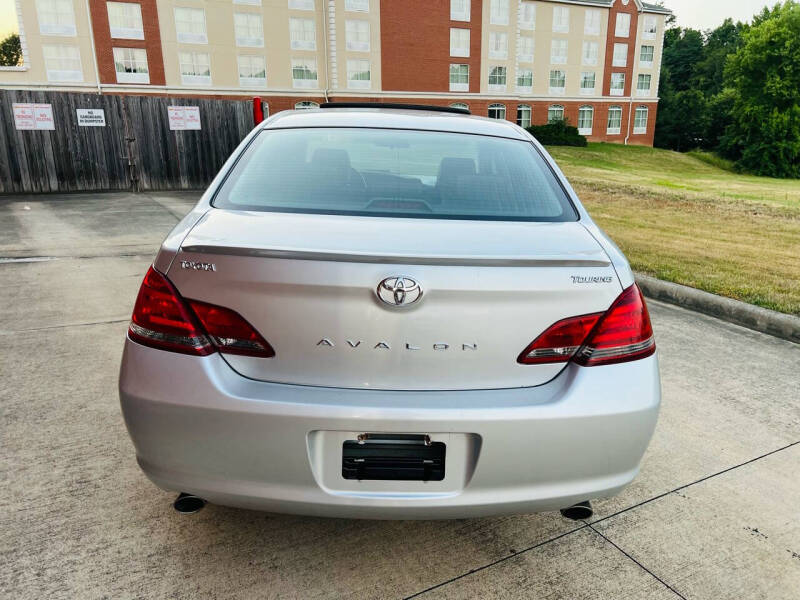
(715, 512)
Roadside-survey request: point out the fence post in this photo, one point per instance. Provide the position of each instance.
(129, 140)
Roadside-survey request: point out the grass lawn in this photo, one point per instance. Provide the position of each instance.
(680, 218)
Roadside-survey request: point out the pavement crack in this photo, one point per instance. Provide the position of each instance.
(641, 566)
(63, 326)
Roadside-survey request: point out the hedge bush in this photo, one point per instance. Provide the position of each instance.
(557, 133)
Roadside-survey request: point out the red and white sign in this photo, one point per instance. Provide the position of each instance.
(33, 116)
(183, 117)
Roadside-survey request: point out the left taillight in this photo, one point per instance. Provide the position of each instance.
(162, 319)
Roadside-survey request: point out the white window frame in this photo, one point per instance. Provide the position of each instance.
(641, 91)
(622, 28)
(559, 51)
(460, 10)
(248, 2)
(527, 15)
(586, 130)
(193, 79)
(459, 42)
(649, 27)
(526, 48)
(585, 76)
(125, 26)
(498, 12)
(250, 81)
(190, 37)
(589, 59)
(522, 120)
(498, 45)
(646, 64)
(462, 105)
(305, 105)
(620, 57)
(356, 5)
(458, 86)
(557, 91)
(558, 108)
(299, 31)
(498, 87)
(131, 57)
(591, 21)
(354, 66)
(617, 91)
(311, 65)
(523, 74)
(638, 128)
(500, 108)
(561, 19)
(248, 29)
(59, 10)
(617, 111)
(355, 29)
(301, 4)
(54, 65)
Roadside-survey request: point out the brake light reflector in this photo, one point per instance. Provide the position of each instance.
(161, 319)
(230, 332)
(560, 341)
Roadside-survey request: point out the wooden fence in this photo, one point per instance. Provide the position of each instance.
(135, 150)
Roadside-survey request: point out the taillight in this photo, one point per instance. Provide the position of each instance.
(162, 319)
(623, 333)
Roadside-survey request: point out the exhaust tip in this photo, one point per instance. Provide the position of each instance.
(579, 511)
(188, 504)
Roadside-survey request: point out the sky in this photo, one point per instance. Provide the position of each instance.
(8, 18)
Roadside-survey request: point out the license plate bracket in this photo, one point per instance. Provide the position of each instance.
(393, 457)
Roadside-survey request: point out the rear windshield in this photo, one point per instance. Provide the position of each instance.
(395, 173)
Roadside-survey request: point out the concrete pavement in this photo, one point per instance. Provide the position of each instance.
(713, 514)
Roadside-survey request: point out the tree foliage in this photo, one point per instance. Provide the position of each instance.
(10, 51)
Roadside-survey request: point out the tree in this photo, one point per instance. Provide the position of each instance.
(764, 135)
(10, 51)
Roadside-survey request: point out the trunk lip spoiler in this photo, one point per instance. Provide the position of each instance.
(397, 259)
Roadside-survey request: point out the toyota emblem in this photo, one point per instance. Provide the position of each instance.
(399, 291)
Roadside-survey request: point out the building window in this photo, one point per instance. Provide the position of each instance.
(561, 19)
(498, 12)
(618, 84)
(459, 78)
(523, 115)
(524, 81)
(588, 80)
(525, 49)
(357, 35)
(623, 25)
(461, 105)
(585, 120)
(646, 57)
(357, 5)
(620, 55)
(63, 63)
(302, 34)
(643, 84)
(131, 65)
(195, 68)
(249, 31)
(358, 73)
(591, 22)
(640, 120)
(125, 20)
(497, 111)
(497, 79)
(301, 4)
(614, 120)
(305, 105)
(56, 17)
(498, 45)
(527, 15)
(459, 42)
(459, 10)
(555, 113)
(590, 54)
(650, 27)
(557, 82)
(190, 25)
(304, 72)
(558, 52)
(252, 71)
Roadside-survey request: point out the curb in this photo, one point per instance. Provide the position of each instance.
(760, 319)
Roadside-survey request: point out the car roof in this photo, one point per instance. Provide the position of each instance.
(394, 118)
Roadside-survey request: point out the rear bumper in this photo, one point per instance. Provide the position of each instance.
(200, 427)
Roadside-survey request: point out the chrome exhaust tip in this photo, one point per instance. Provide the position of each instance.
(579, 511)
(188, 504)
